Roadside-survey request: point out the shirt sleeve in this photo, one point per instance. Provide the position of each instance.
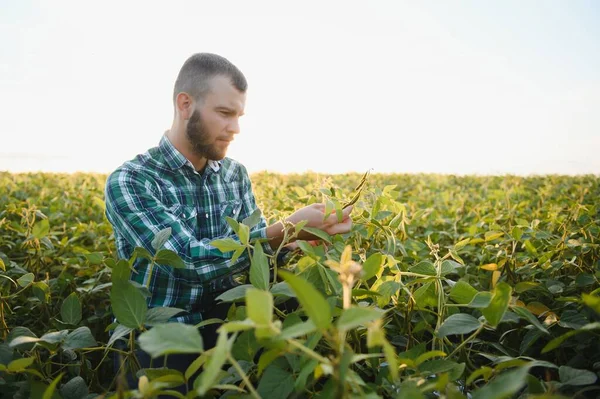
(137, 215)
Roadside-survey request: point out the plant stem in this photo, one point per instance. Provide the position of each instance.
(471, 337)
(309, 352)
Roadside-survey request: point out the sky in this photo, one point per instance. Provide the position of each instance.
(461, 87)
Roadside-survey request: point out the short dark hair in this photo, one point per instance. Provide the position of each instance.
(197, 71)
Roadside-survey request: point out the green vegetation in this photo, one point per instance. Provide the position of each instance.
(446, 287)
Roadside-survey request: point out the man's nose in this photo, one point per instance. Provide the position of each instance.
(234, 126)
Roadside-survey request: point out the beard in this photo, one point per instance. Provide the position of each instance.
(199, 138)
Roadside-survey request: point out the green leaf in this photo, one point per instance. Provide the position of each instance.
(25, 280)
(19, 365)
(592, 301)
(164, 339)
(79, 338)
(481, 300)
(424, 267)
(234, 294)
(244, 234)
(527, 315)
(76, 388)
(259, 306)
(505, 385)
(493, 235)
(128, 304)
(253, 219)
(462, 292)
(41, 229)
(318, 233)
(313, 303)
(214, 364)
(169, 258)
(161, 238)
(500, 300)
(119, 332)
(372, 265)
(140, 252)
(282, 288)
(120, 271)
(226, 245)
(275, 383)
(356, 316)
(160, 315)
(525, 286)
(426, 296)
(41, 291)
(449, 266)
(571, 376)
(49, 392)
(297, 330)
(555, 343)
(460, 323)
(70, 311)
(429, 355)
(259, 268)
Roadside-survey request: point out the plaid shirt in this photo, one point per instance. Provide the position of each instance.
(161, 189)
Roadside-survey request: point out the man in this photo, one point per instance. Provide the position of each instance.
(188, 184)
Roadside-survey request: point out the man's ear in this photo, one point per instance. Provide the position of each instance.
(184, 105)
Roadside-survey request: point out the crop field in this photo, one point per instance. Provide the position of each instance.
(446, 287)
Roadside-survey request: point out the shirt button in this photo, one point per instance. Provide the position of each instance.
(207, 215)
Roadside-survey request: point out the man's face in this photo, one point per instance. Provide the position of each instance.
(215, 120)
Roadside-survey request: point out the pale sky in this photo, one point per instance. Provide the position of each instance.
(462, 87)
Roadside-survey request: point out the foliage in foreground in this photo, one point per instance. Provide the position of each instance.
(483, 287)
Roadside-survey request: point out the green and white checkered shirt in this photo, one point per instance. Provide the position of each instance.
(160, 189)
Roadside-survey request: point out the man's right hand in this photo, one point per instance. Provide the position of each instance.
(315, 215)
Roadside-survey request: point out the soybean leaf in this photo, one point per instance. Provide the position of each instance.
(164, 339)
(226, 245)
(275, 383)
(214, 364)
(555, 343)
(169, 258)
(259, 305)
(527, 315)
(318, 233)
(49, 392)
(372, 265)
(20, 364)
(460, 323)
(253, 219)
(79, 338)
(75, 388)
(572, 376)
(161, 238)
(128, 303)
(355, 316)
(500, 300)
(424, 267)
(505, 385)
(259, 269)
(161, 314)
(41, 229)
(462, 292)
(25, 280)
(70, 311)
(234, 294)
(119, 332)
(313, 303)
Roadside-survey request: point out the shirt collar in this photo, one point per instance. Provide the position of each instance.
(176, 160)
